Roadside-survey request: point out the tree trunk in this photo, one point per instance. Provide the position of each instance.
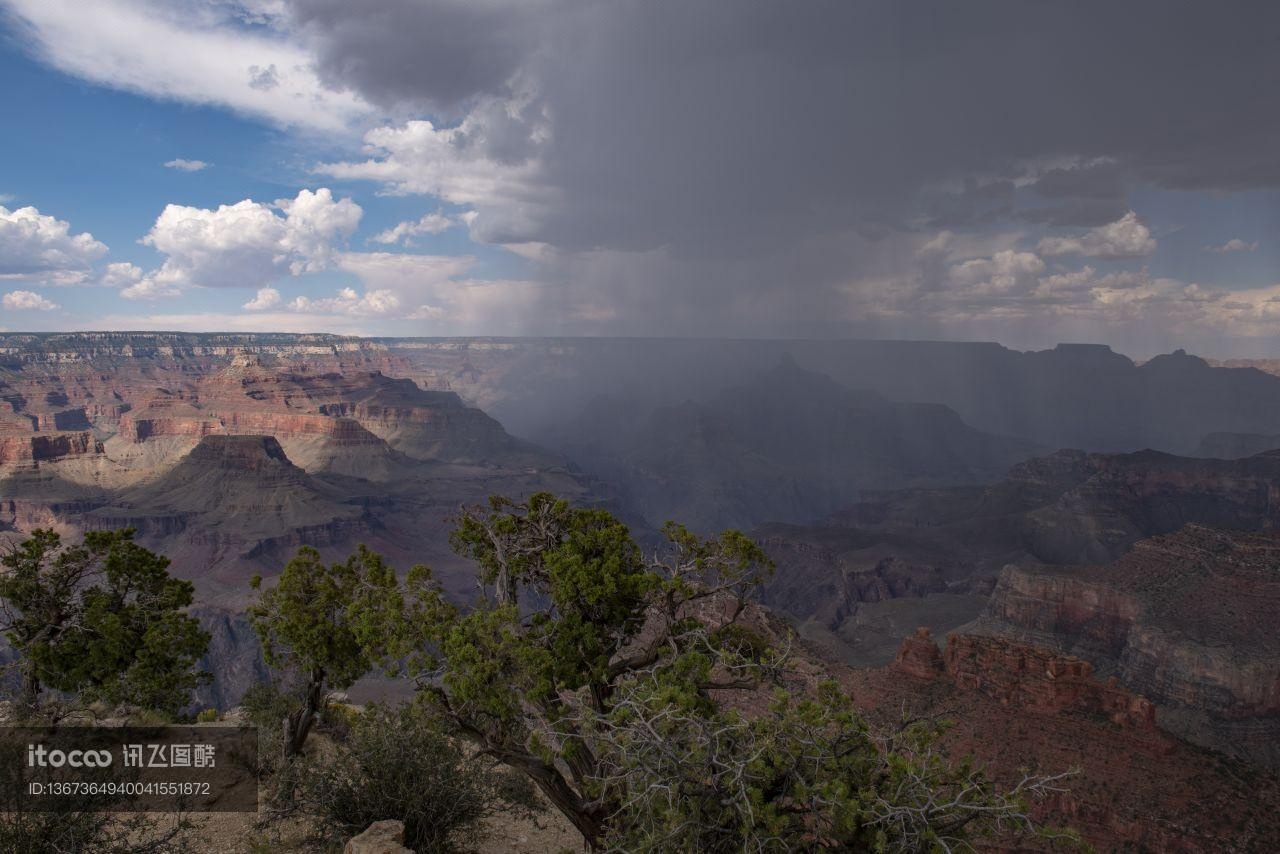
(297, 724)
(30, 686)
(564, 799)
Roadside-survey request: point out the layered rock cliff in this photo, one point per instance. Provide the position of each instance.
(226, 453)
(1015, 706)
(1065, 509)
(1187, 619)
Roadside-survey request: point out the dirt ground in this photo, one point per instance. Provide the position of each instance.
(233, 833)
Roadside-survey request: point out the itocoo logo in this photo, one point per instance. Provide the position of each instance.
(40, 756)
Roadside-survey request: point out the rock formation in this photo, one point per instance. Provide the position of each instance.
(1016, 706)
(226, 453)
(1066, 509)
(1186, 619)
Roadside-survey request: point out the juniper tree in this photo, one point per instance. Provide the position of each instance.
(607, 675)
(571, 611)
(102, 619)
(330, 624)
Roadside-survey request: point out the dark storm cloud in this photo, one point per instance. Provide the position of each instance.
(724, 123)
(809, 135)
(434, 55)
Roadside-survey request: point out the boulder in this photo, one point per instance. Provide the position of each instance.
(381, 837)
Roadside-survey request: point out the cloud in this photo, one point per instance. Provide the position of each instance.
(404, 272)
(266, 299)
(400, 286)
(1127, 237)
(1235, 244)
(427, 312)
(436, 56)
(379, 302)
(347, 301)
(428, 286)
(187, 165)
(490, 160)
(121, 274)
(27, 301)
(39, 248)
(246, 244)
(731, 168)
(280, 321)
(1005, 272)
(432, 223)
(194, 52)
(263, 79)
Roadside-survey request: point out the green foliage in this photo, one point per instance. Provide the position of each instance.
(266, 705)
(331, 624)
(575, 608)
(603, 675)
(103, 620)
(337, 618)
(395, 763)
(207, 716)
(805, 774)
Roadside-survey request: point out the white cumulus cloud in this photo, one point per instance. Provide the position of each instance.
(121, 274)
(266, 299)
(1005, 272)
(1127, 237)
(177, 51)
(347, 301)
(41, 248)
(432, 223)
(245, 244)
(27, 301)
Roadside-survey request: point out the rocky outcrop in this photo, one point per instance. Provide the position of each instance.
(227, 453)
(1040, 680)
(1031, 678)
(1015, 707)
(47, 447)
(381, 837)
(139, 428)
(786, 445)
(919, 656)
(1186, 619)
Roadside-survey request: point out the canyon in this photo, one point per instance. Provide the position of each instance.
(227, 454)
(1108, 606)
(899, 549)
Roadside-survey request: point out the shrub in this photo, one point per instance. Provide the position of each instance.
(397, 764)
(75, 826)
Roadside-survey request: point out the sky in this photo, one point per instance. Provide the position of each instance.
(1025, 171)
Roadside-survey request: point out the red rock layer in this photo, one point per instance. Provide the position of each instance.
(47, 447)
(1040, 680)
(1016, 707)
(1186, 619)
